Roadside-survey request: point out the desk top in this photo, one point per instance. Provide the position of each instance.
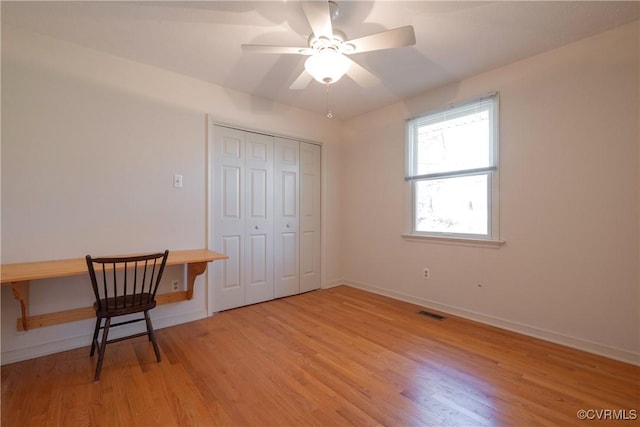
(24, 271)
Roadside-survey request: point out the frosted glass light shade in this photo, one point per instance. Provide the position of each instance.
(327, 66)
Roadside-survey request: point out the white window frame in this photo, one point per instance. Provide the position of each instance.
(491, 171)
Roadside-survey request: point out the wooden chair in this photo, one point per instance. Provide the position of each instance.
(123, 286)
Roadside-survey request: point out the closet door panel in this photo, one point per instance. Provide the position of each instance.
(232, 268)
(308, 241)
(289, 255)
(231, 192)
(257, 269)
(227, 203)
(259, 218)
(286, 220)
(310, 198)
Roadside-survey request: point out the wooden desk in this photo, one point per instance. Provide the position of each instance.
(20, 274)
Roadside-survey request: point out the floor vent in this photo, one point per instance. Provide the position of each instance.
(432, 315)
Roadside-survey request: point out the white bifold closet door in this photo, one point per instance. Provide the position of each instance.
(265, 207)
(242, 208)
(287, 218)
(309, 217)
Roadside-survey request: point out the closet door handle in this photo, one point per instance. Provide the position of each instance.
(257, 227)
(288, 225)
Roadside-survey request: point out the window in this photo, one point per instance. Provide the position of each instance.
(452, 167)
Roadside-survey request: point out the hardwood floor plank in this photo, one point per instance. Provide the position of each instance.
(332, 357)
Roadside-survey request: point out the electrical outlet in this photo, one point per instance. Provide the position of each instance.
(425, 273)
(175, 286)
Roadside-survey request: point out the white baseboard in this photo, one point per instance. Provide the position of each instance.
(73, 343)
(179, 319)
(45, 349)
(558, 338)
(333, 284)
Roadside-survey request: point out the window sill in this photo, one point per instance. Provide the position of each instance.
(461, 241)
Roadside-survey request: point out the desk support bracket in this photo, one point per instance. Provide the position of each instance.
(194, 269)
(21, 293)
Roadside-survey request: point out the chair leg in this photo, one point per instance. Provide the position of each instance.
(95, 336)
(101, 348)
(152, 335)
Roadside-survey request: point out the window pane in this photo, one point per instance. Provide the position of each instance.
(452, 205)
(454, 142)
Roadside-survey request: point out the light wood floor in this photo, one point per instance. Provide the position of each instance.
(331, 357)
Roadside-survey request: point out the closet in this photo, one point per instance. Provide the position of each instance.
(265, 215)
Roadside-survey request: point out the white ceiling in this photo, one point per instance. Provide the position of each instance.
(202, 39)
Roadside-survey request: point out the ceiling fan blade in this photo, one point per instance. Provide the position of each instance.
(302, 81)
(259, 48)
(319, 17)
(398, 37)
(361, 75)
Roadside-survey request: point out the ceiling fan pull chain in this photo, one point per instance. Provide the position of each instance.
(329, 113)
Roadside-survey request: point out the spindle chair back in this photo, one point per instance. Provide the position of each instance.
(123, 286)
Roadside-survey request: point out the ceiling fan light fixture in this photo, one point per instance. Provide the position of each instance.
(327, 66)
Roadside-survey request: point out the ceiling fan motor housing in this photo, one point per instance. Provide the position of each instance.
(336, 42)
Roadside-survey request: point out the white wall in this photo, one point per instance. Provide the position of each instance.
(568, 193)
(90, 143)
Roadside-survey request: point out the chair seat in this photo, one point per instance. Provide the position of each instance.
(124, 304)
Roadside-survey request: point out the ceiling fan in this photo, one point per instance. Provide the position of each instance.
(328, 48)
